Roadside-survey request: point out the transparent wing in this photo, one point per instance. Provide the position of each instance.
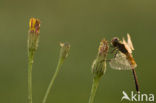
(127, 46)
(120, 62)
(129, 42)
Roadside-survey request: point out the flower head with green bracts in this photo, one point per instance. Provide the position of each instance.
(99, 64)
(99, 67)
(33, 38)
(33, 35)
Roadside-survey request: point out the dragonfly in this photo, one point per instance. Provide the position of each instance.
(123, 59)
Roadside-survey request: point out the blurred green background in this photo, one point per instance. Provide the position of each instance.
(83, 23)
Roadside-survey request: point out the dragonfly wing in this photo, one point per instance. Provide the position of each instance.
(127, 46)
(129, 42)
(120, 62)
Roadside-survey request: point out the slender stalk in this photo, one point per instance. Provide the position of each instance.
(136, 80)
(30, 62)
(60, 62)
(99, 67)
(94, 88)
(33, 39)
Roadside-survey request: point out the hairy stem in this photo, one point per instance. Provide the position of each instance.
(30, 62)
(94, 88)
(60, 62)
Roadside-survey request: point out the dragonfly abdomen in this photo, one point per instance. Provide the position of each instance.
(131, 60)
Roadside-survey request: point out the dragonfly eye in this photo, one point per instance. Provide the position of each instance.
(115, 41)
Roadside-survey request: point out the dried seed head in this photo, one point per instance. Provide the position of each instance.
(33, 34)
(103, 48)
(99, 64)
(65, 47)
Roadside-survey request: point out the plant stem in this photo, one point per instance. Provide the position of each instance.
(30, 62)
(94, 88)
(60, 62)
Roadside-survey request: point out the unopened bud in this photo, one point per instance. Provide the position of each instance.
(33, 35)
(65, 47)
(34, 25)
(99, 64)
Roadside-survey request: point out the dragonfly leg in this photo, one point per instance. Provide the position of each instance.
(113, 50)
(116, 53)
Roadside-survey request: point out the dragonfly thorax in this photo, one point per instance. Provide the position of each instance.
(119, 45)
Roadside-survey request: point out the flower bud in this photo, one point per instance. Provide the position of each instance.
(65, 47)
(33, 35)
(34, 25)
(99, 64)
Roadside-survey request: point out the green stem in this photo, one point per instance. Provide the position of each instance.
(60, 62)
(94, 88)
(30, 62)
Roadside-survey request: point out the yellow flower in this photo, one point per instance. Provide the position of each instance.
(33, 34)
(34, 25)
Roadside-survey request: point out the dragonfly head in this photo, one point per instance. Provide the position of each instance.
(115, 41)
